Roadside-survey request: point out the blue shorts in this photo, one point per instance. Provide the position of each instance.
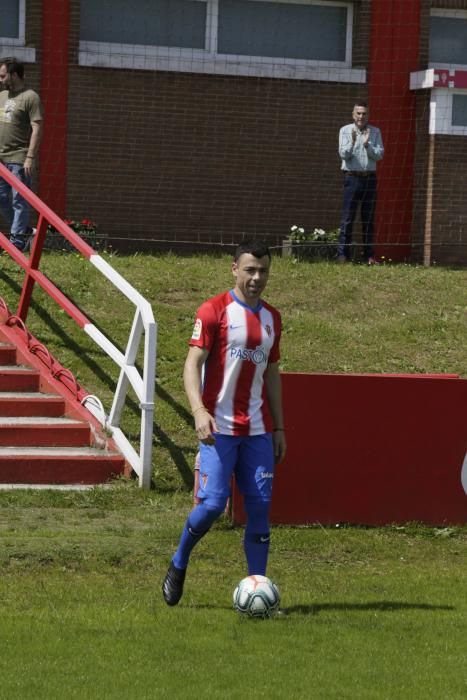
(249, 457)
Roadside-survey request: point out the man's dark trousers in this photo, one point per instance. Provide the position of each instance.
(361, 190)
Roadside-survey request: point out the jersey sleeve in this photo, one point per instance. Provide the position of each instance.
(205, 328)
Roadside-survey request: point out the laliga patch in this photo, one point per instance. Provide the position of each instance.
(197, 329)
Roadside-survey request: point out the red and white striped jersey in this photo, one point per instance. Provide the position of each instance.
(241, 342)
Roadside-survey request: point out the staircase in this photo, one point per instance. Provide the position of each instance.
(46, 439)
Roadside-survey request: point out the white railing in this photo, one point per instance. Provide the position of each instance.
(143, 386)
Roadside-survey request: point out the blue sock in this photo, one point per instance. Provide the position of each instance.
(256, 546)
(197, 525)
(256, 540)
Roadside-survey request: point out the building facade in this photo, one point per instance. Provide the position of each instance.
(192, 123)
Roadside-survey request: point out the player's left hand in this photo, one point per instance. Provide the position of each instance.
(280, 445)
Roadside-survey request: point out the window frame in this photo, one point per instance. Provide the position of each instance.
(452, 14)
(441, 112)
(9, 41)
(207, 60)
(9, 45)
(441, 98)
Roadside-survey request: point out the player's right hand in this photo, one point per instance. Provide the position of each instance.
(205, 427)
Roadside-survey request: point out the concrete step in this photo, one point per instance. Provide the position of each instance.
(58, 465)
(18, 378)
(31, 403)
(40, 445)
(7, 354)
(39, 431)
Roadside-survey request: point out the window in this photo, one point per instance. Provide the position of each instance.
(10, 25)
(459, 110)
(147, 22)
(282, 30)
(305, 39)
(448, 37)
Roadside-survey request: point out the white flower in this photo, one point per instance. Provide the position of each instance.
(293, 228)
(301, 230)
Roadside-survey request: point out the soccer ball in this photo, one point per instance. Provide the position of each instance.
(256, 596)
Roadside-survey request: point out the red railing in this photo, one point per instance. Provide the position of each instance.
(143, 322)
(31, 264)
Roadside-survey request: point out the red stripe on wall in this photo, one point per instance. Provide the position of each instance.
(54, 95)
(394, 53)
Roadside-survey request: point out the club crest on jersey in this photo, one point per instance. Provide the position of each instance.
(197, 329)
(256, 355)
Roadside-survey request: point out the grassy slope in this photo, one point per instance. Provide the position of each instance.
(336, 319)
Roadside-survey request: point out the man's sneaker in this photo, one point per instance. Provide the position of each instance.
(172, 588)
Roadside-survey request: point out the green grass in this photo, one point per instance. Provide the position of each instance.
(371, 613)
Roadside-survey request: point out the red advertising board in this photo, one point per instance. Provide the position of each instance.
(371, 450)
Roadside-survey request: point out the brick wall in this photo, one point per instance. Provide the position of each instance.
(188, 157)
(421, 222)
(439, 233)
(449, 211)
(199, 160)
(34, 38)
(448, 4)
(423, 174)
(156, 156)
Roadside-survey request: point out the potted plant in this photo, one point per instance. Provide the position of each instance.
(85, 228)
(314, 244)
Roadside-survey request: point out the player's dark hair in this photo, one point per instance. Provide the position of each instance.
(13, 66)
(257, 248)
(361, 103)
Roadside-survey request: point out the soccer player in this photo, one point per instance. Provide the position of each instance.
(233, 384)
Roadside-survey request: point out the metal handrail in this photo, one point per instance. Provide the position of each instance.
(143, 322)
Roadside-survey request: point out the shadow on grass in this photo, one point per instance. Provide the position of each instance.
(176, 453)
(159, 435)
(381, 606)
